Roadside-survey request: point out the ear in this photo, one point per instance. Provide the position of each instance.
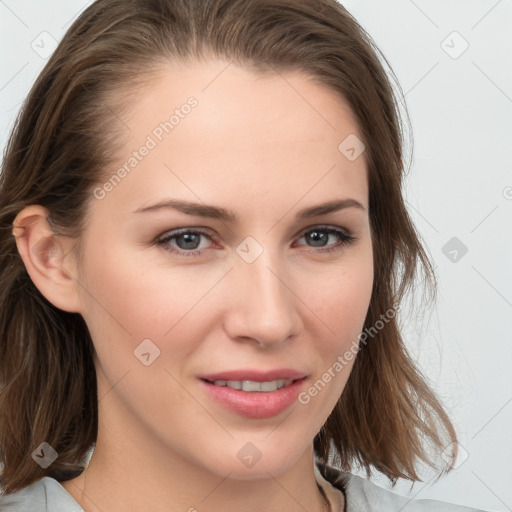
(48, 258)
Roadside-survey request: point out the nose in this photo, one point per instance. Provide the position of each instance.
(263, 307)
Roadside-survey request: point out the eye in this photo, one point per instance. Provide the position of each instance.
(187, 242)
(319, 237)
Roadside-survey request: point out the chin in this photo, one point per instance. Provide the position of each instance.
(258, 459)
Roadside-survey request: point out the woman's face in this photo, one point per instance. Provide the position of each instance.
(176, 297)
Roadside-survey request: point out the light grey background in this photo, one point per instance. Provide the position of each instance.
(460, 185)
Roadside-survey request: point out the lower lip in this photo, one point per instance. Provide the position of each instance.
(255, 404)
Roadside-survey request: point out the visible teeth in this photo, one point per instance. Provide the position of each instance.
(249, 385)
(269, 386)
(235, 384)
(252, 386)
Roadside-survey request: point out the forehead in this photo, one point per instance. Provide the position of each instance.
(208, 128)
(290, 104)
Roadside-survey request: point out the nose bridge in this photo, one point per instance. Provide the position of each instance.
(263, 306)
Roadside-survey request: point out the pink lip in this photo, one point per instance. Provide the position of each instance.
(255, 405)
(255, 375)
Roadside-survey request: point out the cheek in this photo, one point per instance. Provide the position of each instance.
(341, 311)
(143, 299)
(129, 302)
(340, 298)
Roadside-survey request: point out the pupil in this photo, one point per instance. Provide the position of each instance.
(315, 236)
(190, 239)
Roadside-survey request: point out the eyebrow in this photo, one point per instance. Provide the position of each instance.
(216, 212)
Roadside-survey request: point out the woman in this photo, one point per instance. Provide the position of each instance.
(204, 252)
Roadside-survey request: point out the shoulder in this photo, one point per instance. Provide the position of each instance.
(366, 495)
(44, 495)
(363, 495)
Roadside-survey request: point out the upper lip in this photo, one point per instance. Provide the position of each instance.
(255, 375)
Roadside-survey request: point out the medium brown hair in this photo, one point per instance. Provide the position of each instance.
(63, 141)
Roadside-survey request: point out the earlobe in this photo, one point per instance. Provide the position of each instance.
(47, 257)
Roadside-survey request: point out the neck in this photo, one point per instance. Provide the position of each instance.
(98, 489)
(113, 481)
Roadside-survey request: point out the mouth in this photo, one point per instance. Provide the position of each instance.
(254, 394)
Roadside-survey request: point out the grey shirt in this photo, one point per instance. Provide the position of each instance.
(361, 495)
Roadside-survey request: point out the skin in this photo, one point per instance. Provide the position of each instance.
(265, 147)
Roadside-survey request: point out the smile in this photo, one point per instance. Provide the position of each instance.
(253, 386)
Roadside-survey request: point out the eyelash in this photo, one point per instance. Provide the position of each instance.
(345, 239)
